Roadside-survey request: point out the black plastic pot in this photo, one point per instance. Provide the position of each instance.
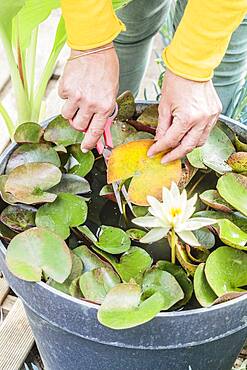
(69, 337)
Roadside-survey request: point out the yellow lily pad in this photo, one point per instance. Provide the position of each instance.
(148, 174)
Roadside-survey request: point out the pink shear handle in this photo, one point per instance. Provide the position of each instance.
(107, 133)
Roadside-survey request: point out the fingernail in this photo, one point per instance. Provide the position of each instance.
(164, 161)
(84, 150)
(150, 154)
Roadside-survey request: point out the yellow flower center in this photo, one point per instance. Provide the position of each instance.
(175, 212)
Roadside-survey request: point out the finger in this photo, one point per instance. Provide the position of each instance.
(82, 119)
(188, 143)
(69, 109)
(172, 137)
(94, 132)
(165, 120)
(61, 91)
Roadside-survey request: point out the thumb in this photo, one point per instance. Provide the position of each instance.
(164, 122)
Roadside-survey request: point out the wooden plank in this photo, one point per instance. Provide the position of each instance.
(4, 290)
(8, 303)
(16, 338)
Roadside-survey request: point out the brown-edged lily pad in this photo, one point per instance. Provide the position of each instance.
(30, 153)
(19, 217)
(68, 210)
(28, 132)
(126, 106)
(197, 254)
(150, 116)
(226, 270)
(29, 182)
(148, 174)
(238, 162)
(6, 233)
(203, 292)
(71, 184)
(85, 161)
(184, 260)
(233, 188)
(60, 132)
(241, 146)
(231, 235)
(213, 199)
(6, 197)
(36, 250)
(228, 297)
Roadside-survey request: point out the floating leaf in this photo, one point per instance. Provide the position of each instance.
(71, 184)
(140, 135)
(149, 175)
(60, 148)
(113, 240)
(226, 270)
(28, 183)
(241, 147)
(196, 159)
(60, 132)
(89, 259)
(150, 116)
(6, 233)
(86, 161)
(184, 260)
(236, 217)
(232, 235)
(197, 254)
(181, 277)
(108, 193)
(205, 237)
(228, 297)
(76, 272)
(36, 250)
(67, 211)
(135, 234)
(159, 281)
(18, 217)
(140, 211)
(87, 233)
(123, 309)
(95, 284)
(238, 162)
(120, 132)
(203, 292)
(74, 289)
(126, 106)
(233, 188)
(6, 197)
(28, 132)
(213, 199)
(30, 153)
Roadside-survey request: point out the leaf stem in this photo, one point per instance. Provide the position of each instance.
(8, 121)
(173, 246)
(190, 192)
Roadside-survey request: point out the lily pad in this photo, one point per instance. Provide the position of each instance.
(60, 132)
(140, 211)
(181, 277)
(71, 184)
(238, 162)
(120, 131)
(205, 237)
(149, 175)
(6, 233)
(213, 199)
(236, 217)
(6, 197)
(228, 297)
(89, 259)
(36, 250)
(196, 158)
(85, 160)
(233, 188)
(76, 272)
(28, 132)
(184, 260)
(87, 233)
(232, 235)
(95, 284)
(226, 270)
(67, 211)
(197, 254)
(28, 183)
(203, 292)
(150, 116)
(241, 147)
(108, 193)
(122, 308)
(74, 289)
(136, 234)
(159, 281)
(30, 153)
(126, 106)
(19, 218)
(113, 240)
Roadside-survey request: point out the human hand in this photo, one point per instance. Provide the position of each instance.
(188, 111)
(90, 86)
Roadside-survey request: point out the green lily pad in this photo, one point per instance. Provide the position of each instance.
(140, 211)
(113, 240)
(213, 199)
(36, 250)
(139, 135)
(6, 197)
(236, 217)
(30, 153)
(28, 132)
(122, 308)
(150, 116)
(232, 235)
(205, 237)
(60, 132)
(19, 218)
(74, 289)
(240, 146)
(181, 277)
(238, 162)
(184, 260)
(89, 259)
(126, 106)
(196, 158)
(108, 193)
(28, 183)
(135, 234)
(76, 272)
(87, 233)
(71, 184)
(120, 131)
(67, 211)
(159, 281)
(86, 161)
(6, 233)
(203, 292)
(197, 254)
(60, 149)
(95, 284)
(233, 188)
(226, 270)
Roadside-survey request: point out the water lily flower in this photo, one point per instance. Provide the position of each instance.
(173, 214)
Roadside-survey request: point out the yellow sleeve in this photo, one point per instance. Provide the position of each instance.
(90, 23)
(202, 37)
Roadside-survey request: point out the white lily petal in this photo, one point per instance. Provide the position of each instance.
(175, 190)
(156, 206)
(189, 209)
(189, 238)
(196, 223)
(154, 235)
(166, 197)
(147, 221)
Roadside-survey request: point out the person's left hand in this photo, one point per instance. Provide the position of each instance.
(188, 111)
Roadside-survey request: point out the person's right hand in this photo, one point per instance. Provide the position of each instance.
(90, 86)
